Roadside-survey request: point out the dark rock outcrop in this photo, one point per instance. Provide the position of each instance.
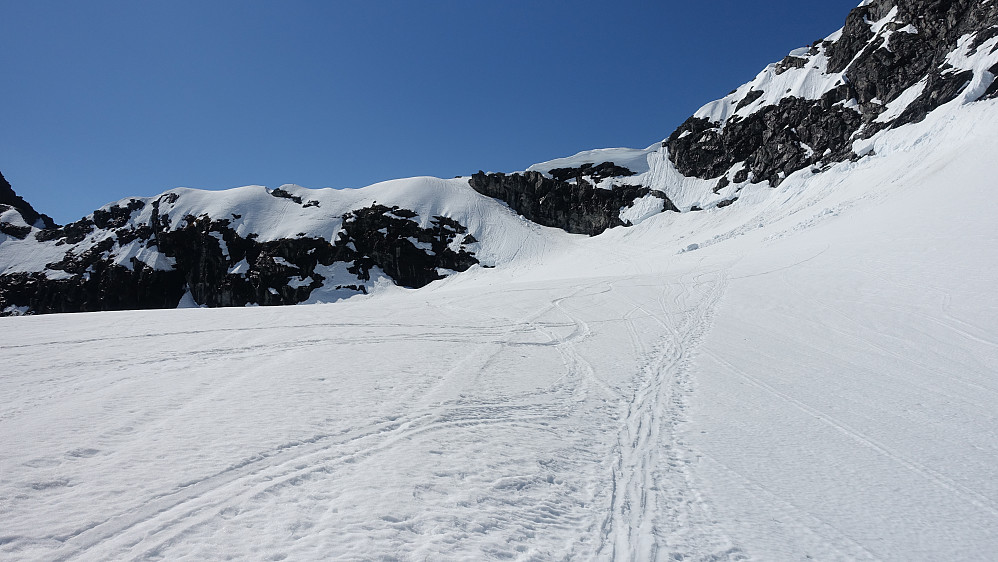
(578, 207)
(778, 140)
(790, 62)
(591, 172)
(750, 98)
(10, 199)
(106, 287)
(208, 258)
(285, 194)
(992, 91)
(765, 141)
(18, 231)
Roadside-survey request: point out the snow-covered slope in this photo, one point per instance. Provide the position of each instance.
(807, 374)
(848, 389)
(793, 369)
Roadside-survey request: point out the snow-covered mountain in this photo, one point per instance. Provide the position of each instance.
(789, 354)
(892, 64)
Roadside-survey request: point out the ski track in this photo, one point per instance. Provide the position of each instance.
(656, 511)
(832, 542)
(640, 477)
(972, 496)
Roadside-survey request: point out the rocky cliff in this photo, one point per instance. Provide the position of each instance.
(138, 254)
(892, 63)
(568, 200)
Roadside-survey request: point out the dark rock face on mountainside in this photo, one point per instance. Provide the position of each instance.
(591, 172)
(876, 67)
(577, 207)
(769, 147)
(11, 201)
(208, 258)
(879, 68)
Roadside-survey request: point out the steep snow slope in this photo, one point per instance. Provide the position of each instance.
(809, 372)
(848, 389)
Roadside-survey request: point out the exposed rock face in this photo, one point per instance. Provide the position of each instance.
(591, 173)
(122, 257)
(103, 286)
(887, 48)
(883, 67)
(388, 238)
(286, 271)
(11, 201)
(578, 207)
(772, 142)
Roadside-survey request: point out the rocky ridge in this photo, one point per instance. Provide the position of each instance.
(138, 254)
(569, 200)
(17, 216)
(893, 63)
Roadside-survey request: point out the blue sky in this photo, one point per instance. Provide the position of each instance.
(104, 100)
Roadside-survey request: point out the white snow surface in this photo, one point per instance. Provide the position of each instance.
(810, 82)
(810, 373)
(633, 159)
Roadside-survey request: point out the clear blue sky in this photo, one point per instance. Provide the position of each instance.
(102, 100)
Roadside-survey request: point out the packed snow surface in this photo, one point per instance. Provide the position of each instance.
(809, 373)
(633, 159)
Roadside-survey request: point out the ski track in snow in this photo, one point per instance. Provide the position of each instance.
(515, 511)
(656, 511)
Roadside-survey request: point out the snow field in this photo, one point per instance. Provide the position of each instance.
(455, 429)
